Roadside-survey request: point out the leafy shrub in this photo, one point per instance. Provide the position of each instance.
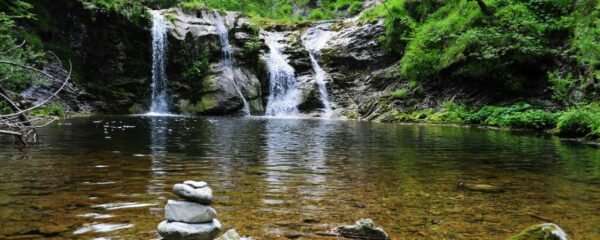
(561, 86)
(316, 14)
(582, 121)
(354, 8)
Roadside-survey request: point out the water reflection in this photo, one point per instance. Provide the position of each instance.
(270, 175)
(159, 127)
(296, 162)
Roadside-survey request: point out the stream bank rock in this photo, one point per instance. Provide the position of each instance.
(544, 231)
(192, 218)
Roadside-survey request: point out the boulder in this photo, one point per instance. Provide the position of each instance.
(363, 229)
(185, 231)
(199, 195)
(189, 212)
(545, 231)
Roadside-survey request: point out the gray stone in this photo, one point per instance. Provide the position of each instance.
(185, 231)
(199, 195)
(231, 234)
(196, 184)
(189, 212)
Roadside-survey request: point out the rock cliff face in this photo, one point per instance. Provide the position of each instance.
(113, 59)
(349, 52)
(194, 44)
(110, 55)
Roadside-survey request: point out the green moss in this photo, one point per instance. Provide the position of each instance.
(536, 232)
(206, 103)
(136, 109)
(400, 93)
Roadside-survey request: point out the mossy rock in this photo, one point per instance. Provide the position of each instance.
(545, 231)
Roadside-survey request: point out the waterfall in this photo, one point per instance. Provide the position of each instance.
(159, 105)
(284, 96)
(227, 51)
(314, 40)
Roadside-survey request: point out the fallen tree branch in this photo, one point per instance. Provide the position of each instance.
(10, 133)
(17, 123)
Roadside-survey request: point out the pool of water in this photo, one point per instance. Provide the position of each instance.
(109, 177)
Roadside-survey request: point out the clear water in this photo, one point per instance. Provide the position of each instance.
(314, 40)
(111, 176)
(284, 95)
(228, 61)
(159, 102)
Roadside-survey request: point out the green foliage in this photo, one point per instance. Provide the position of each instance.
(398, 30)
(11, 37)
(576, 122)
(253, 45)
(134, 11)
(561, 85)
(586, 42)
(55, 109)
(199, 68)
(520, 115)
(581, 121)
(317, 14)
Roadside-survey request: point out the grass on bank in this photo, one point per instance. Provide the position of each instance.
(575, 122)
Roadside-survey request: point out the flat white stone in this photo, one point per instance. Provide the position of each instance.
(189, 212)
(196, 184)
(199, 195)
(185, 231)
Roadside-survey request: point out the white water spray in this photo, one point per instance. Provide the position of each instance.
(227, 50)
(284, 96)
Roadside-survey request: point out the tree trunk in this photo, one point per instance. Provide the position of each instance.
(484, 8)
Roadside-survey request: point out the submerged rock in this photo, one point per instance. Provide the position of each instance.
(363, 229)
(545, 231)
(199, 195)
(486, 188)
(189, 212)
(52, 230)
(187, 231)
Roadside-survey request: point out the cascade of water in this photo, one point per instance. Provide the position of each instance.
(284, 96)
(160, 103)
(314, 40)
(227, 50)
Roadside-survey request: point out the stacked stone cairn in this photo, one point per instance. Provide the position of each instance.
(191, 218)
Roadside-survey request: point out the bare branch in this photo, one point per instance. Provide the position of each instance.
(10, 133)
(44, 73)
(15, 47)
